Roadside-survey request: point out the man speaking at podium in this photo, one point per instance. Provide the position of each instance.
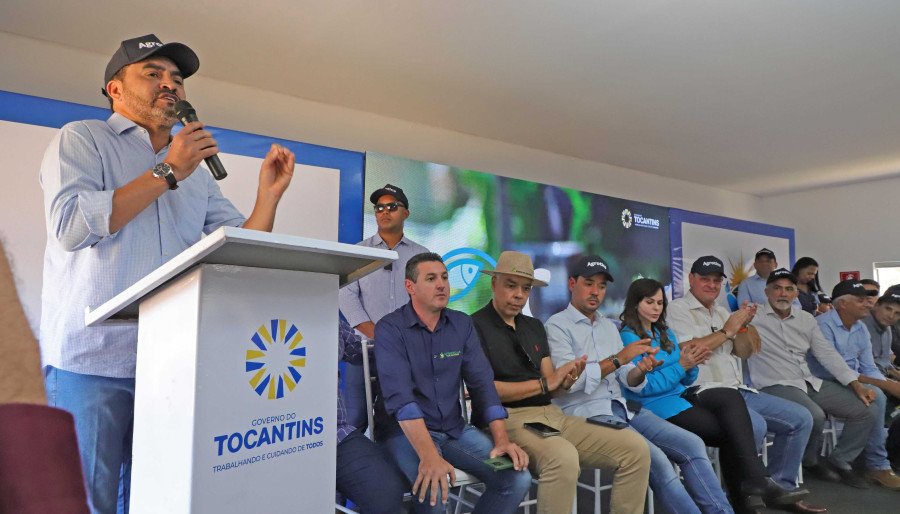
(121, 198)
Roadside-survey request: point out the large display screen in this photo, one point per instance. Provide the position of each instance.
(470, 217)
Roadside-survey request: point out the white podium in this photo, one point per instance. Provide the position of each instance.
(236, 383)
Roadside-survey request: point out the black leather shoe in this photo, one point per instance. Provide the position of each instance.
(802, 507)
(849, 477)
(822, 471)
(773, 494)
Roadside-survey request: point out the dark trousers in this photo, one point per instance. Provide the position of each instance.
(368, 477)
(719, 416)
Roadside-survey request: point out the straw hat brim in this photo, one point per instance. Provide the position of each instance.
(494, 273)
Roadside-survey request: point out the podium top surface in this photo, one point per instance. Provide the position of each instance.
(255, 249)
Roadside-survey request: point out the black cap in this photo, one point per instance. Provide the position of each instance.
(589, 266)
(853, 287)
(134, 50)
(824, 298)
(707, 265)
(891, 296)
(779, 274)
(765, 252)
(392, 190)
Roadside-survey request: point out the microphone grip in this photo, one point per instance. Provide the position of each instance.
(215, 167)
(213, 163)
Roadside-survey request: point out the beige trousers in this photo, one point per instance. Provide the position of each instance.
(557, 460)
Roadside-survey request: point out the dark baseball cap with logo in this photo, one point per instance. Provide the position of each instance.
(137, 49)
(588, 266)
(765, 252)
(851, 287)
(779, 274)
(891, 296)
(392, 190)
(708, 265)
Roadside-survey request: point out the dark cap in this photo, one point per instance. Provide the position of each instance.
(392, 190)
(707, 265)
(140, 48)
(891, 296)
(853, 287)
(589, 266)
(824, 298)
(779, 274)
(765, 252)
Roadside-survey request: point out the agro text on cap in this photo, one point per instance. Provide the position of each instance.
(707, 265)
(851, 287)
(590, 265)
(137, 49)
(779, 274)
(389, 189)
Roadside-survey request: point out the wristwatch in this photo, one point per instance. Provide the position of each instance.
(164, 171)
(614, 358)
(722, 330)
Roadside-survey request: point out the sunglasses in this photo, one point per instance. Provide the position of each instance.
(390, 207)
(871, 293)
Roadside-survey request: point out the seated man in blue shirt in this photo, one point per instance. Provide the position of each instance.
(424, 352)
(581, 329)
(753, 288)
(843, 327)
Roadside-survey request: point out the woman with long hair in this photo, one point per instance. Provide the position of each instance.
(806, 269)
(718, 415)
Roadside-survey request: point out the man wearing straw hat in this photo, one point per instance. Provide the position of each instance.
(517, 348)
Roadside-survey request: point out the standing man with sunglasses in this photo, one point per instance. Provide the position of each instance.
(367, 300)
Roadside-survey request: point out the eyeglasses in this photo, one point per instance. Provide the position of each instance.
(391, 207)
(871, 293)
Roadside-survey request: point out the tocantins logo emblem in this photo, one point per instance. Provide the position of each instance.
(273, 359)
(627, 218)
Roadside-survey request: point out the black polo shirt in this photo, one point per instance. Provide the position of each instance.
(515, 353)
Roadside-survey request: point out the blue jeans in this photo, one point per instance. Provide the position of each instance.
(504, 490)
(875, 454)
(669, 442)
(367, 477)
(791, 423)
(103, 408)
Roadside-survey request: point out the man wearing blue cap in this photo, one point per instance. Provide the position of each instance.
(121, 198)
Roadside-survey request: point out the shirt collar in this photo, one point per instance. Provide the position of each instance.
(492, 313)
(411, 319)
(832, 317)
(576, 316)
(694, 303)
(379, 241)
(120, 123)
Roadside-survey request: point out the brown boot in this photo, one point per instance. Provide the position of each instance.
(885, 478)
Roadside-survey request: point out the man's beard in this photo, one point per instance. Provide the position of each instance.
(163, 116)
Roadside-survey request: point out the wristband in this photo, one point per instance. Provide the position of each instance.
(544, 387)
(743, 330)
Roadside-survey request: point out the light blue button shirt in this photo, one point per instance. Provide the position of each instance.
(570, 335)
(881, 338)
(380, 292)
(853, 345)
(84, 264)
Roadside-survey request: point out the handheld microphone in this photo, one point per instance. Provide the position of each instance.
(186, 113)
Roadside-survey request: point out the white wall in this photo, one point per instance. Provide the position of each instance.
(844, 228)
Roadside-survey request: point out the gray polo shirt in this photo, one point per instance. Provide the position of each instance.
(881, 338)
(785, 346)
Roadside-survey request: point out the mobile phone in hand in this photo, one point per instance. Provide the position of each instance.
(606, 421)
(500, 463)
(541, 429)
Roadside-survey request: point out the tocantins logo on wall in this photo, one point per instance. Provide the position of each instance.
(273, 359)
(627, 219)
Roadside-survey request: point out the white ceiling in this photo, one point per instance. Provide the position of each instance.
(758, 96)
